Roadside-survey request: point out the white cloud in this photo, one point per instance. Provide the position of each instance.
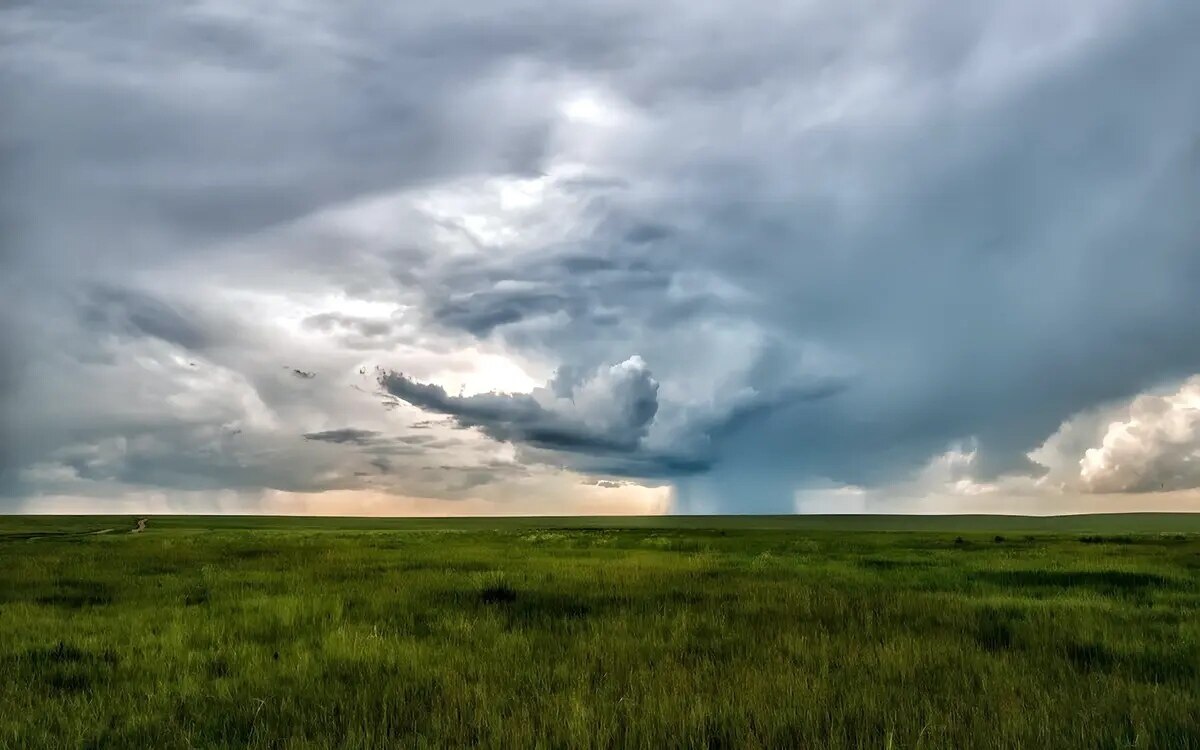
(1150, 443)
(1139, 454)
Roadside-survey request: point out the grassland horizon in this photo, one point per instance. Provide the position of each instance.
(1145, 522)
(643, 631)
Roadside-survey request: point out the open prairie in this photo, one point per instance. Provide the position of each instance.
(820, 631)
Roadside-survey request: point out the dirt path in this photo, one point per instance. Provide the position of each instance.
(140, 527)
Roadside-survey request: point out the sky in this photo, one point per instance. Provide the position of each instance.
(510, 257)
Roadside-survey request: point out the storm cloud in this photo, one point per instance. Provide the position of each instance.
(610, 411)
(740, 253)
(344, 435)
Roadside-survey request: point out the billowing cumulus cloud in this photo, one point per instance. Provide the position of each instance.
(1148, 444)
(1156, 447)
(609, 411)
(855, 245)
(606, 421)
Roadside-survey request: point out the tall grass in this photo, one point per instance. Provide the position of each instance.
(526, 636)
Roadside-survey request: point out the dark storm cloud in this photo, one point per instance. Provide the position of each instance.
(985, 270)
(844, 236)
(203, 135)
(609, 413)
(559, 425)
(481, 312)
(644, 234)
(335, 322)
(191, 457)
(586, 284)
(344, 435)
(132, 312)
(10, 376)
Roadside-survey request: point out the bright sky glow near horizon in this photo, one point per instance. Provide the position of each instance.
(603, 257)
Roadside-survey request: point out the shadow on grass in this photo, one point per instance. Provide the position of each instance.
(64, 667)
(443, 566)
(1106, 581)
(885, 564)
(522, 608)
(535, 608)
(65, 653)
(1160, 665)
(1156, 666)
(500, 593)
(996, 629)
(1090, 657)
(76, 594)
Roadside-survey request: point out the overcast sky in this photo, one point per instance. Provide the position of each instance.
(599, 257)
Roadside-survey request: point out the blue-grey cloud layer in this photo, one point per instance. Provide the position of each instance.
(841, 236)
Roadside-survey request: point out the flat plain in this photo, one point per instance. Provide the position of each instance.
(798, 631)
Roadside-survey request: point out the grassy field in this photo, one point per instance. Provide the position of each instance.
(863, 632)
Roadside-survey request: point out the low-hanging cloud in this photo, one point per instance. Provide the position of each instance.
(344, 435)
(610, 411)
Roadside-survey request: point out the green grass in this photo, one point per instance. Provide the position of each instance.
(868, 632)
